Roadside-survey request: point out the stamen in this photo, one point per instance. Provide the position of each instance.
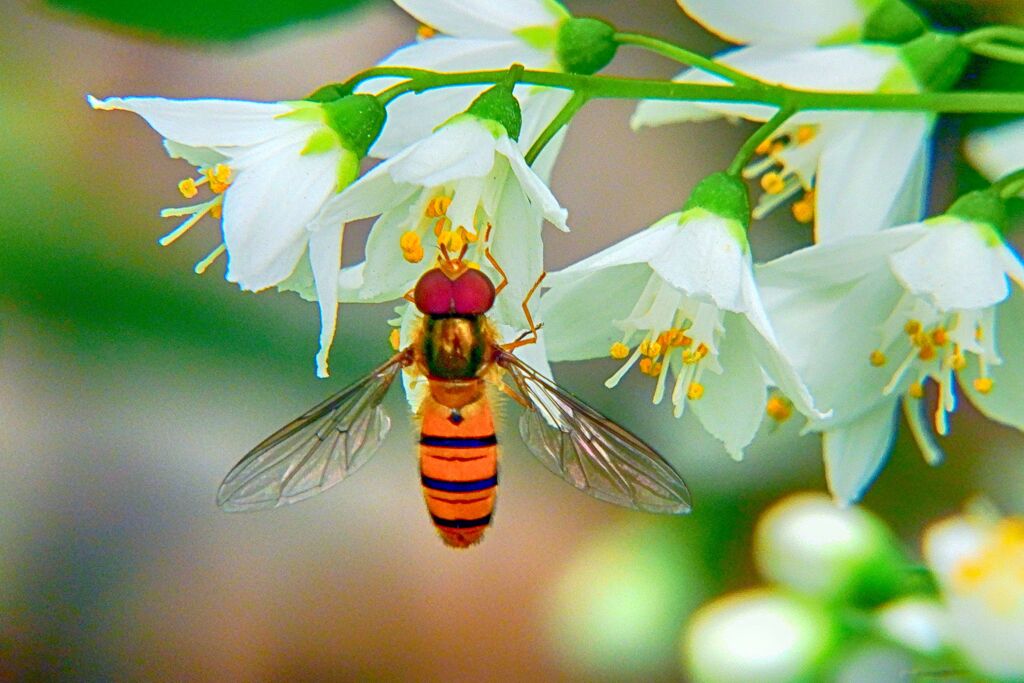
(187, 188)
(695, 391)
(764, 147)
(772, 183)
(442, 224)
(939, 336)
(412, 248)
(424, 32)
(912, 327)
(612, 381)
(916, 390)
(877, 358)
(769, 202)
(900, 371)
(217, 210)
(682, 380)
(395, 338)
(803, 210)
(659, 388)
(197, 212)
(219, 177)
(805, 133)
(926, 353)
(756, 168)
(983, 385)
(779, 408)
(210, 258)
(619, 351)
(438, 206)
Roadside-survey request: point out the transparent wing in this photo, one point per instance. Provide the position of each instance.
(316, 450)
(590, 451)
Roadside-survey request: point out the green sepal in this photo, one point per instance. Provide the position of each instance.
(723, 195)
(893, 21)
(937, 60)
(499, 105)
(982, 206)
(357, 119)
(330, 92)
(585, 45)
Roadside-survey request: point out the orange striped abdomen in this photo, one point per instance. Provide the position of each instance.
(459, 469)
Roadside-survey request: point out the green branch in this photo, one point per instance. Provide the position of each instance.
(684, 56)
(760, 135)
(575, 103)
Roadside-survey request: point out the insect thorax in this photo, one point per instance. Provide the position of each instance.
(454, 347)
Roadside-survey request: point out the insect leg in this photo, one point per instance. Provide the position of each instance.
(526, 338)
(501, 272)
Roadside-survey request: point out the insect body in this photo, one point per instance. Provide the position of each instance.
(457, 351)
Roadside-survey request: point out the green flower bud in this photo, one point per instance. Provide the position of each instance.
(500, 105)
(329, 92)
(893, 21)
(723, 195)
(838, 554)
(357, 119)
(982, 206)
(585, 46)
(937, 60)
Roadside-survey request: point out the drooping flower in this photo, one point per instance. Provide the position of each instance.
(680, 296)
(871, 319)
(465, 189)
(806, 161)
(270, 168)
(997, 151)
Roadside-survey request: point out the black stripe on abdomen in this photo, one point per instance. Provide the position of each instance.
(458, 441)
(461, 523)
(458, 486)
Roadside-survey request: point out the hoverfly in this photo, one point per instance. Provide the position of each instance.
(455, 348)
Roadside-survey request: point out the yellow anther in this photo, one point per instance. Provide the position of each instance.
(927, 352)
(653, 349)
(438, 206)
(803, 211)
(772, 182)
(983, 384)
(915, 390)
(472, 265)
(695, 391)
(939, 336)
(920, 339)
(702, 350)
(216, 211)
(219, 177)
(877, 358)
(779, 408)
(395, 339)
(957, 361)
(470, 237)
(646, 365)
(805, 134)
(912, 327)
(454, 241)
(424, 32)
(764, 147)
(979, 333)
(619, 351)
(187, 188)
(778, 147)
(645, 345)
(683, 340)
(409, 241)
(441, 225)
(413, 255)
(656, 369)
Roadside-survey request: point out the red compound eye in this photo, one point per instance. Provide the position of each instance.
(471, 293)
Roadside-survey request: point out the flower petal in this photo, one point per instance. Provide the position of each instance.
(785, 22)
(535, 190)
(208, 122)
(325, 259)
(704, 260)
(579, 314)
(484, 18)
(463, 149)
(516, 245)
(855, 451)
(267, 207)
(387, 275)
(855, 199)
(1005, 401)
(997, 151)
(197, 156)
(372, 194)
(637, 248)
(733, 405)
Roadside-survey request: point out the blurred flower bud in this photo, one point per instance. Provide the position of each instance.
(916, 623)
(761, 635)
(809, 544)
(585, 45)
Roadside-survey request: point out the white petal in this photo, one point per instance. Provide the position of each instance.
(579, 314)
(733, 405)
(413, 117)
(463, 149)
(1005, 402)
(704, 260)
(949, 542)
(197, 156)
(416, 386)
(350, 281)
(484, 18)
(208, 122)
(517, 247)
(387, 275)
(952, 267)
(536, 191)
(325, 259)
(855, 199)
(997, 151)
(637, 248)
(915, 622)
(266, 211)
(785, 22)
(369, 196)
(539, 108)
(855, 451)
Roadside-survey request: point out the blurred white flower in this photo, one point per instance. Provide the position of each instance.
(915, 622)
(760, 635)
(891, 311)
(680, 296)
(464, 188)
(270, 167)
(997, 151)
(979, 564)
(808, 158)
(807, 543)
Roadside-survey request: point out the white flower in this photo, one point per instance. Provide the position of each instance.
(465, 186)
(979, 564)
(270, 167)
(808, 158)
(476, 35)
(678, 296)
(997, 151)
(760, 635)
(871, 319)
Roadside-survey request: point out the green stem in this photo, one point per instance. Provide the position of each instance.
(1002, 53)
(575, 103)
(684, 56)
(988, 34)
(1010, 184)
(745, 152)
(618, 87)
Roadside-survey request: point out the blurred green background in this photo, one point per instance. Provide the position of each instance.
(129, 386)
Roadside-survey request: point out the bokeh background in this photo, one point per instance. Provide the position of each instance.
(129, 386)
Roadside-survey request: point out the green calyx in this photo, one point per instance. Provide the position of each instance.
(723, 195)
(937, 60)
(893, 21)
(329, 92)
(357, 119)
(982, 206)
(585, 45)
(499, 105)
